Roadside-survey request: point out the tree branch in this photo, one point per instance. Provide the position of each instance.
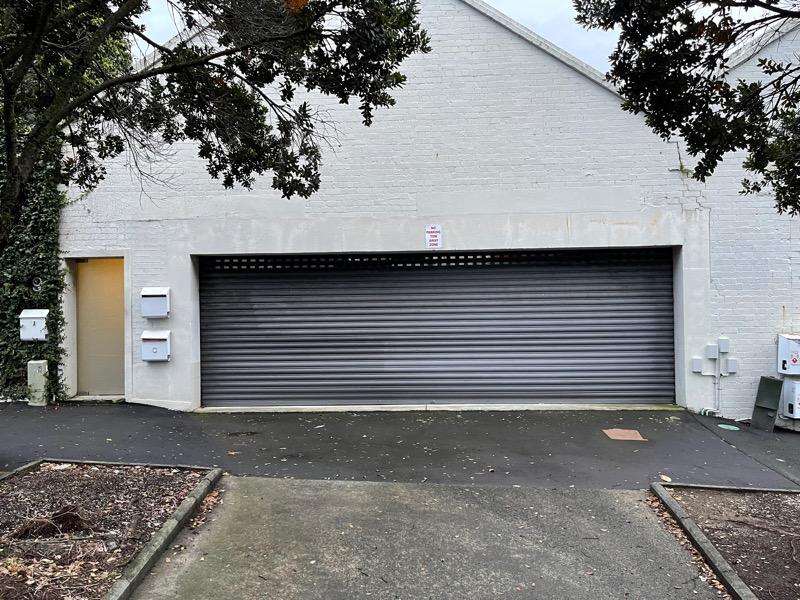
(25, 56)
(10, 128)
(53, 114)
(28, 54)
(786, 12)
(140, 34)
(168, 68)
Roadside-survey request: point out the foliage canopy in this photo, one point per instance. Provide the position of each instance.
(673, 64)
(69, 75)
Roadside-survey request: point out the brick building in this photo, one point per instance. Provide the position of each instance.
(505, 237)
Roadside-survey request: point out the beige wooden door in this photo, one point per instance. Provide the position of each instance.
(101, 335)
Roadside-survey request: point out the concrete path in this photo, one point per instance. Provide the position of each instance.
(542, 449)
(292, 540)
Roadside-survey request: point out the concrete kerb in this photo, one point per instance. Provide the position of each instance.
(24, 468)
(721, 567)
(139, 567)
(142, 563)
(411, 408)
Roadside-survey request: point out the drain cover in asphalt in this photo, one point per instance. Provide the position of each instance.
(727, 427)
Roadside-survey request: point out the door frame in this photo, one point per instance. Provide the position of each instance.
(69, 303)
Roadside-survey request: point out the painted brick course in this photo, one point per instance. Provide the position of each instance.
(504, 144)
(754, 264)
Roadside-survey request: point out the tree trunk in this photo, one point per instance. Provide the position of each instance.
(11, 199)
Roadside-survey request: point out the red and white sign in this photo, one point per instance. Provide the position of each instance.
(433, 237)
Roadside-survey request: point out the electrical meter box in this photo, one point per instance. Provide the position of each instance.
(155, 302)
(33, 325)
(156, 346)
(790, 400)
(789, 354)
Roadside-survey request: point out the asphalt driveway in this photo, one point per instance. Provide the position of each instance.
(319, 540)
(532, 449)
(538, 504)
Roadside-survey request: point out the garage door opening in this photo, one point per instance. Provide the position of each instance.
(518, 327)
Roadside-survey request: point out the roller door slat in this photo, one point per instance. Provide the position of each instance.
(458, 328)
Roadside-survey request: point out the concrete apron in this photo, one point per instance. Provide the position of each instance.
(289, 539)
(346, 408)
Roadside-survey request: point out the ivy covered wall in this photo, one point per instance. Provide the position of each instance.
(31, 277)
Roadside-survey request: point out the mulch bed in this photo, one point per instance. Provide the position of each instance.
(758, 533)
(68, 530)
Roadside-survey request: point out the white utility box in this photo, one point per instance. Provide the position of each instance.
(790, 399)
(731, 366)
(37, 382)
(33, 325)
(789, 354)
(156, 346)
(155, 302)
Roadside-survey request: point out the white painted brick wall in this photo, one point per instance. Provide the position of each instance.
(754, 265)
(487, 125)
(485, 112)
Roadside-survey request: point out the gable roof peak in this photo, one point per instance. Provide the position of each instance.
(535, 39)
(758, 43)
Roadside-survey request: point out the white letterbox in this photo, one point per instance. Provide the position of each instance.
(789, 354)
(156, 346)
(33, 325)
(155, 302)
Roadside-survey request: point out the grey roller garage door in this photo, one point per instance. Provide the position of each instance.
(507, 327)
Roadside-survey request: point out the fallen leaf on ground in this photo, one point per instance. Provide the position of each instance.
(666, 478)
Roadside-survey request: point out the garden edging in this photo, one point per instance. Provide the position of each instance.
(721, 567)
(141, 564)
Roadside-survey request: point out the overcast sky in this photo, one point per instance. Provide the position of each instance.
(552, 19)
(555, 20)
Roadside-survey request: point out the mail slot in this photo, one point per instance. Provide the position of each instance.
(155, 302)
(156, 346)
